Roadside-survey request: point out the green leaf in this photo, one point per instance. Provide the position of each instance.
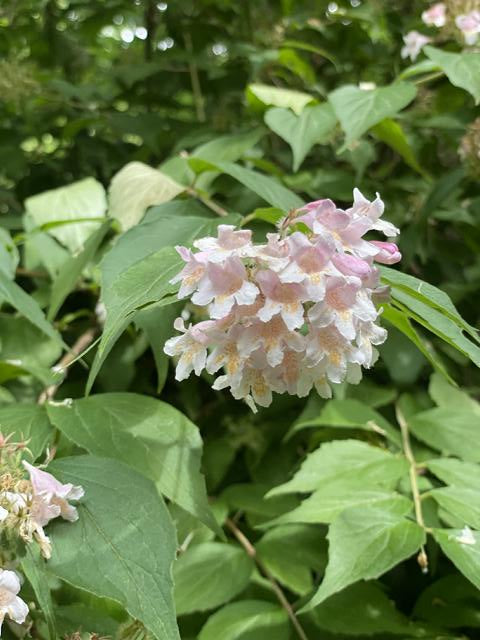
(365, 543)
(267, 96)
(72, 270)
(27, 422)
(349, 414)
(462, 69)
(361, 609)
(449, 602)
(446, 395)
(313, 126)
(456, 472)
(462, 502)
(122, 546)
(342, 460)
(251, 498)
(34, 568)
(247, 620)
(78, 201)
(201, 581)
(466, 557)
(269, 189)
(400, 321)
(449, 430)
(157, 322)
(291, 553)
(144, 254)
(359, 110)
(391, 133)
(147, 434)
(135, 188)
(330, 500)
(16, 297)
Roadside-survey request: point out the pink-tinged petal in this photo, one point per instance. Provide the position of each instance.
(387, 228)
(205, 294)
(345, 324)
(388, 252)
(293, 315)
(292, 273)
(267, 280)
(228, 238)
(414, 43)
(269, 309)
(44, 482)
(351, 265)
(435, 16)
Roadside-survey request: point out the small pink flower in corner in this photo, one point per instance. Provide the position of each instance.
(435, 16)
(469, 25)
(11, 604)
(414, 43)
(54, 492)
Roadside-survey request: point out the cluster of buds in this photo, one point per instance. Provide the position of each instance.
(294, 313)
(27, 505)
(454, 17)
(470, 149)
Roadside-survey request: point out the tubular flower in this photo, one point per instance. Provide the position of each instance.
(469, 25)
(414, 43)
(292, 314)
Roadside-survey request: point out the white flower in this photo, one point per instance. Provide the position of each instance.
(414, 43)
(10, 604)
(469, 25)
(435, 16)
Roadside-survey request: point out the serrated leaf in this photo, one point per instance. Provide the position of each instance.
(268, 96)
(201, 581)
(466, 557)
(364, 544)
(456, 472)
(313, 126)
(359, 110)
(328, 502)
(462, 69)
(145, 433)
(344, 460)
(462, 502)
(135, 188)
(449, 430)
(349, 414)
(247, 620)
(73, 204)
(122, 546)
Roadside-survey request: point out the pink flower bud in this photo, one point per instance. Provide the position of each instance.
(388, 252)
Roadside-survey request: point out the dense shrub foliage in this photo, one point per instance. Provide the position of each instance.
(197, 187)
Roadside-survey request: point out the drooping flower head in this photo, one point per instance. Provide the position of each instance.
(292, 314)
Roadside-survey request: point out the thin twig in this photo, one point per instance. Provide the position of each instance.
(26, 273)
(213, 206)
(417, 500)
(194, 79)
(252, 552)
(78, 347)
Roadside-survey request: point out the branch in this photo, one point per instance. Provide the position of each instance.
(422, 558)
(79, 346)
(252, 552)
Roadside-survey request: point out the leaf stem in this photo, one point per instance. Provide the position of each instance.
(194, 79)
(252, 552)
(213, 206)
(422, 557)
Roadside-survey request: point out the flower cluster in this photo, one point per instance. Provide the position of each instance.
(27, 505)
(291, 314)
(456, 17)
